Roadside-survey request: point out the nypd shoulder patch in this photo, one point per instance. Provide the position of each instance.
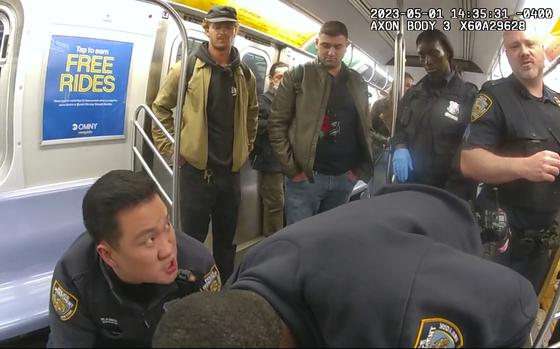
(438, 333)
(212, 281)
(64, 303)
(481, 105)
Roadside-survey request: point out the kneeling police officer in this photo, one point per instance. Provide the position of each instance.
(112, 285)
(402, 269)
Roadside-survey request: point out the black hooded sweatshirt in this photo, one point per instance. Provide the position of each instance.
(220, 107)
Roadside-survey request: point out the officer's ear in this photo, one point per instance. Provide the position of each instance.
(105, 251)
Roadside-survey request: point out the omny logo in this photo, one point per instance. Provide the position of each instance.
(85, 128)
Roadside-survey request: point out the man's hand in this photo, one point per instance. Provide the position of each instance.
(182, 161)
(543, 166)
(300, 177)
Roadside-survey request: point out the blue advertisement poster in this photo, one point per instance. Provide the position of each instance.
(85, 89)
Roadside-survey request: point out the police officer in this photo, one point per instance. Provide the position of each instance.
(431, 120)
(513, 142)
(111, 286)
(384, 272)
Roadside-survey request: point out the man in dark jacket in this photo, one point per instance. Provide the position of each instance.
(402, 269)
(113, 283)
(320, 129)
(271, 178)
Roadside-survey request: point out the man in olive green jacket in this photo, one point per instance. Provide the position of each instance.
(217, 134)
(320, 129)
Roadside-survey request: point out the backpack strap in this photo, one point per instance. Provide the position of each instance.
(246, 71)
(191, 61)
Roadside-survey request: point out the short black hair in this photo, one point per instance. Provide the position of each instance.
(229, 318)
(334, 28)
(437, 35)
(276, 66)
(112, 192)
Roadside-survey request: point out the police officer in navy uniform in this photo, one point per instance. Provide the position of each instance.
(431, 120)
(383, 272)
(114, 282)
(513, 143)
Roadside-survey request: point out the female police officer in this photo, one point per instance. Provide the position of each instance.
(431, 119)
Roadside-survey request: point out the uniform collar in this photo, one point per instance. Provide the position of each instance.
(438, 82)
(548, 94)
(117, 287)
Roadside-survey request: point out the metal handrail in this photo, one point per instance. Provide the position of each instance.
(151, 174)
(550, 316)
(398, 86)
(139, 128)
(174, 202)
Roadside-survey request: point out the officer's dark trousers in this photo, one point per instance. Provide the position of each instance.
(533, 264)
(212, 193)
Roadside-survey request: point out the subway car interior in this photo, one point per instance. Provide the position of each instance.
(56, 140)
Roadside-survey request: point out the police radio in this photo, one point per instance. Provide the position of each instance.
(493, 222)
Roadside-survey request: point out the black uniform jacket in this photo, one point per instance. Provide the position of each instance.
(431, 120)
(508, 121)
(89, 307)
(401, 269)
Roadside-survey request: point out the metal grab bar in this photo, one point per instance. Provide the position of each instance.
(550, 316)
(176, 141)
(151, 174)
(397, 90)
(139, 128)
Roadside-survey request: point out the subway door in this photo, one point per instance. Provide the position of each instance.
(249, 227)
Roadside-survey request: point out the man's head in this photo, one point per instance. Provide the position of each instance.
(525, 54)
(332, 43)
(276, 74)
(128, 221)
(221, 27)
(408, 81)
(229, 318)
(436, 52)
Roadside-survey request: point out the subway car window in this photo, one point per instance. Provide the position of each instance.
(191, 47)
(257, 64)
(4, 36)
(366, 72)
(4, 81)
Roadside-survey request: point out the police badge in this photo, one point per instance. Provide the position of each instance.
(438, 333)
(481, 105)
(453, 110)
(64, 303)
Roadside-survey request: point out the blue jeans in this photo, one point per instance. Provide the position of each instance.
(305, 199)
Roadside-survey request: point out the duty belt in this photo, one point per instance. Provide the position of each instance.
(532, 239)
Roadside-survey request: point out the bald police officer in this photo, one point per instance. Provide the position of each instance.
(513, 143)
(383, 272)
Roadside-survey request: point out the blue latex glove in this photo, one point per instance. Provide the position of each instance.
(402, 162)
